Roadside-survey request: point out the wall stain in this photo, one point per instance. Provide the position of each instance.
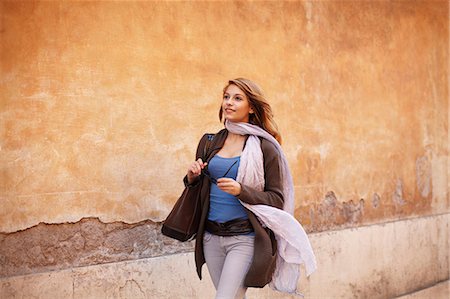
(378, 288)
(131, 289)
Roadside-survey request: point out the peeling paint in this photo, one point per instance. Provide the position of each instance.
(331, 212)
(423, 176)
(353, 212)
(89, 241)
(376, 200)
(397, 196)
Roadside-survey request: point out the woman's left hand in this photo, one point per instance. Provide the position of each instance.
(229, 186)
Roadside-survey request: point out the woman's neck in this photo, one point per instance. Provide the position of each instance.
(233, 145)
(233, 136)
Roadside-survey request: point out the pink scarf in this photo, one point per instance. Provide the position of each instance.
(294, 247)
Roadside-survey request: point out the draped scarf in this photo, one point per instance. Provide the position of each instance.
(294, 247)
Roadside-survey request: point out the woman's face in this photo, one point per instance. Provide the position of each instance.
(235, 105)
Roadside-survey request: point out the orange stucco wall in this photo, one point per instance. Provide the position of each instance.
(102, 104)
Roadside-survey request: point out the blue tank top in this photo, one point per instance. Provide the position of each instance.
(223, 206)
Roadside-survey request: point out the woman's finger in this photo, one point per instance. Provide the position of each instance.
(225, 181)
(201, 163)
(229, 185)
(195, 168)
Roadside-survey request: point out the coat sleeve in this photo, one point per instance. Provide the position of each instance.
(272, 194)
(199, 154)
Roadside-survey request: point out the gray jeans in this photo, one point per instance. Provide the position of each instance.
(228, 260)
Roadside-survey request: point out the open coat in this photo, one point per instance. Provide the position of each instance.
(264, 257)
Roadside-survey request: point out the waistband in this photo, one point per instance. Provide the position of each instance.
(230, 228)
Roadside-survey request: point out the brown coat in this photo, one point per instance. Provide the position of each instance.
(263, 264)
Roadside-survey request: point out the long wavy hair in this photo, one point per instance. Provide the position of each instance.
(263, 115)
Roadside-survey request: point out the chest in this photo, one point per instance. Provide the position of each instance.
(232, 148)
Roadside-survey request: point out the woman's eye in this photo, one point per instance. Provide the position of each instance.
(225, 97)
(238, 98)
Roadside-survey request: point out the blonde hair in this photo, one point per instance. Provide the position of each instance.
(262, 116)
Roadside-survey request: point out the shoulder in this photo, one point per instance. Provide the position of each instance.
(208, 141)
(268, 148)
(211, 136)
(270, 152)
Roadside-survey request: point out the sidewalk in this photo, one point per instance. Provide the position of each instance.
(438, 291)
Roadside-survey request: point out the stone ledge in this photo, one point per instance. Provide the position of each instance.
(377, 261)
(440, 290)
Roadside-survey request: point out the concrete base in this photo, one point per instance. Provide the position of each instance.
(438, 291)
(377, 261)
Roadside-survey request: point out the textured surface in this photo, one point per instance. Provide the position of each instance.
(438, 291)
(48, 247)
(376, 261)
(102, 104)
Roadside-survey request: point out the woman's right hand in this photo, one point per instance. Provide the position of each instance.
(195, 170)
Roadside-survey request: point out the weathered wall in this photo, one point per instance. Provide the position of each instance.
(50, 247)
(348, 268)
(102, 104)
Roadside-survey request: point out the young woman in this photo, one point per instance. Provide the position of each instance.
(246, 184)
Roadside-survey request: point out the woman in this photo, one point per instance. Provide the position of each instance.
(244, 176)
